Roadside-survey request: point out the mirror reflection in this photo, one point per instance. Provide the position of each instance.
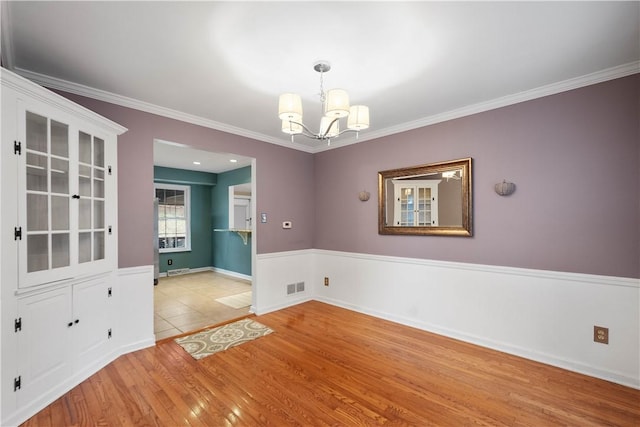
(427, 199)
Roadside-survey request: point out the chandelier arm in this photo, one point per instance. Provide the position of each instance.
(346, 130)
(323, 137)
(306, 132)
(318, 136)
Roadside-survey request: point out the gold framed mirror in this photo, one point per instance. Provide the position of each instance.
(433, 199)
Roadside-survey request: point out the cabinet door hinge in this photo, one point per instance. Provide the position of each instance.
(109, 333)
(17, 148)
(109, 292)
(109, 169)
(110, 230)
(17, 324)
(17, 233)
(17, 383)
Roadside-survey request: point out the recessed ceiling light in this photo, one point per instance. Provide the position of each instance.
(196, 163)
(233, 161)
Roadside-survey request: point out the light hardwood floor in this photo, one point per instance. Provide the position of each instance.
(324, 365)
(188, 302)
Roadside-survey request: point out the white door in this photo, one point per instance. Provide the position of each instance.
(44, 342)
(91, 320)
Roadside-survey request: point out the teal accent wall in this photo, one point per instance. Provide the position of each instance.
(202, 185)
(229, 252)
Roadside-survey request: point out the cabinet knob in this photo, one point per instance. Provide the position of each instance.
(70, 324)
(76, 321)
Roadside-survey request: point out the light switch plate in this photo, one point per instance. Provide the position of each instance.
(263, 218)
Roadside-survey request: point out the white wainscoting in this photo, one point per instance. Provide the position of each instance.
(135, 299)
(274, 271)
(540, 315)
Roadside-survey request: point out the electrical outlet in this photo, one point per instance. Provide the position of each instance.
(601, 334)
(326, 281)
(169, 261)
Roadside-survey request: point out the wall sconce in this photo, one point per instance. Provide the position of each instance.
(364, 196)
(505, 188)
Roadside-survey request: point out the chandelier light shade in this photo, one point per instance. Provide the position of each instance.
(358, 118)
(290, 107)
(334, 106)
(337, 103)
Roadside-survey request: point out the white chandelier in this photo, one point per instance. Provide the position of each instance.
(335, 105)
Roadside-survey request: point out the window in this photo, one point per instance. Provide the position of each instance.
(174, 232)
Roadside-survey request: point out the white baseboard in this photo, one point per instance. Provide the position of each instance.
(229, 273)
(289, 303)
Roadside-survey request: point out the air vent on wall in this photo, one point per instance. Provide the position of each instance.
(177, 271)
(294, 288)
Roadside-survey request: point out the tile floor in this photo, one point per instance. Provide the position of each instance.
(188, 302)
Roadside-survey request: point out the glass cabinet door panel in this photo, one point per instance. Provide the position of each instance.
(424, 206)
(98, 152)
(37, 252)
(59, 139)
(47, 207)
(98, 245)
(406, 206)
(37, 212)
(84, 247)
(91, 213)
(84, 148)
(59, 176)
(98, 183)
(37, 172)
(98, 214)
(60, 254)
(84, 214)
(59, 213)
(84, 180)
(36, 132)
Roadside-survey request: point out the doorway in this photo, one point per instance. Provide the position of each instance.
(205, 284)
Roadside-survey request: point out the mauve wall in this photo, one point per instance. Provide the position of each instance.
(284, 180)
(574, 157)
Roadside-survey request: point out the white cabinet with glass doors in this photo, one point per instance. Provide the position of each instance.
(66, 197)
(59, 244)
(415, 203)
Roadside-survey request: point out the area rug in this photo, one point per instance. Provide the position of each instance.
(206, 343)
(237, 300)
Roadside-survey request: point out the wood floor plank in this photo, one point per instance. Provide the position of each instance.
(326, 366)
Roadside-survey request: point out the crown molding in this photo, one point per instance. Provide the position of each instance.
(528, 95)
(551, 89)
(29, 88)
(112, 98)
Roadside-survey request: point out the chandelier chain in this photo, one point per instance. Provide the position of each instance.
(323, 96)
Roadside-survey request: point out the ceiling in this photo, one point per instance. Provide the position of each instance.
(223, 64)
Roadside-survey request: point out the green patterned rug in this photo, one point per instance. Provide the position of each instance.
(206, 343)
